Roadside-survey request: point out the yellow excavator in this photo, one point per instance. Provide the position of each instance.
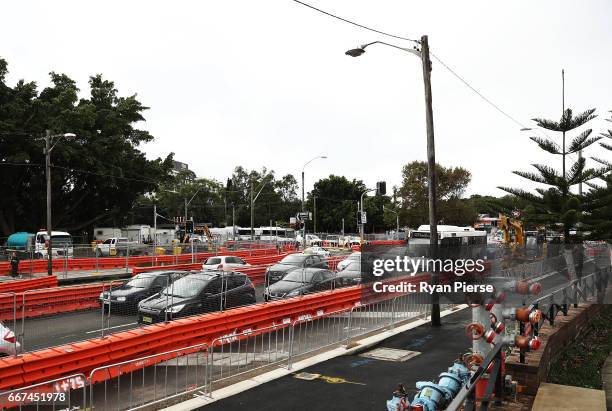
(512, 230)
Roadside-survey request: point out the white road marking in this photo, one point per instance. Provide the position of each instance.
(110, 328)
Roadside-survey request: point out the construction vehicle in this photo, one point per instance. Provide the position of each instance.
(512, 229)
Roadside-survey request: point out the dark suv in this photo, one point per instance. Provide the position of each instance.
(125, 298)
(196, 294)
(277, 271)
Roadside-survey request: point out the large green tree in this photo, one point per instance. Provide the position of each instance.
(337, 199)
(96, 177)
(557, 205)
(451, 184)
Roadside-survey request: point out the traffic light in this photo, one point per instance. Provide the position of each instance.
(381, 188)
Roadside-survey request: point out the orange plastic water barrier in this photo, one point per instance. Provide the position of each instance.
(24, 285)
(35, 303)
(55, 362)
(72, 264)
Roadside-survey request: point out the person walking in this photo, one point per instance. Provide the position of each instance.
(14, 265)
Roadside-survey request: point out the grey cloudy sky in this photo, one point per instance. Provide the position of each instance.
(267, 83)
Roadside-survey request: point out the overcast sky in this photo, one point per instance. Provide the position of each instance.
(267, 84)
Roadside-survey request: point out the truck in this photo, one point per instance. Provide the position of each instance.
(117, 246)
(61, 242)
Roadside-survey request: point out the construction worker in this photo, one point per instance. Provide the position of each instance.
(14, 265)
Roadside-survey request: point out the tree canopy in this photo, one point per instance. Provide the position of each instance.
(96, 177)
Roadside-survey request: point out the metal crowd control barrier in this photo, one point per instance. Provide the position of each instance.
(237, 353)
(145, 381)
(66, 393)
(315, 333)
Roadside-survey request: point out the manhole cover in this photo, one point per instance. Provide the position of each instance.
(307, 376)
(390, 354)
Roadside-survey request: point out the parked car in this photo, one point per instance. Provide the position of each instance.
(197, 293)
(318, 251)
(126, 297)
(224, 262)
(292, 261)
(116, 246)
(301, 281)
(350, 275)
(8, 345)
(355, 256)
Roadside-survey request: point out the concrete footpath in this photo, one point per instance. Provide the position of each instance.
(350, 382)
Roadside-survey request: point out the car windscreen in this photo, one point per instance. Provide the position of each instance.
(299, 276)
(140, 281)
(213, 261)
(294, 259)
(186, 287)
(60, 240)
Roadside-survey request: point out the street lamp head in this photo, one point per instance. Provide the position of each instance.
(69, 135)
(526, 129)
(355, 52)
(325, 157)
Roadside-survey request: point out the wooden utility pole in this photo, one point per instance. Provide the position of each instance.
(431, 176)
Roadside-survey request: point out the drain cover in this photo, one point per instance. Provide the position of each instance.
(307, 376)
(390, 354)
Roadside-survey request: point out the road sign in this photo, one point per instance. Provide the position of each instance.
(362, 217)
(303, 216)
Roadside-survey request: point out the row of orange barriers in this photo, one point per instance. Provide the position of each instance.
(84, 356)
(71, 264)
(24, 285)
(35, 303)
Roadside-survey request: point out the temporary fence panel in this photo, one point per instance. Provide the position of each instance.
(147, 381)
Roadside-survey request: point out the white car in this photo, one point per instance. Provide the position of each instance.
(7, 342)
(355, 256)
(318, 251)
(224, 262)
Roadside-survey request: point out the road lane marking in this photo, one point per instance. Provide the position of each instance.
(109, 328)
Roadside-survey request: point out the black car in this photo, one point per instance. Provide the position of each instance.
(198, 293)
(351, 275)
(126, 297)
(301, 281)
(277, 271)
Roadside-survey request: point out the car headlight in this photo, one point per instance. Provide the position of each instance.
(175, 308)
(293, 293)
(121, 299)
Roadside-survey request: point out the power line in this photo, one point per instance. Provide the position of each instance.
(354, 23)
(453, 72)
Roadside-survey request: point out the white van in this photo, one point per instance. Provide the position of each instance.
(61, 242)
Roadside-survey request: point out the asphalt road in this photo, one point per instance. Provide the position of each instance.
(53, 330)
(355, 383)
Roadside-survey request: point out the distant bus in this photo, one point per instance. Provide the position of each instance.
(449, 235)
(275, 234)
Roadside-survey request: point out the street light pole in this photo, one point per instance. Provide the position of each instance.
(423, 54)
(48, 176)
(303, 191)
(48, 149)
(431, 176)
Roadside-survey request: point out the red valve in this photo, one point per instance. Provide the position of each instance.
(475, 331)
(535, 343)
